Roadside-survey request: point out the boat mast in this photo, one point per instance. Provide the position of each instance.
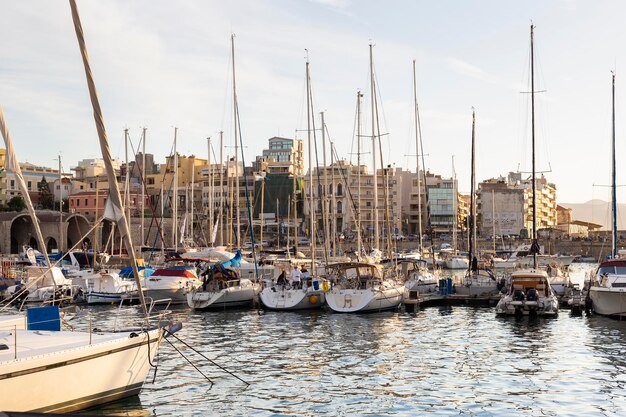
(535, 245)
(333, 200)
(417, 160)
(114, 191)
(472, 240)
(359, 96)
(175, 211)
(375, 242)
(312, 233)
(143, 187)
(613, 174)
(193, 187)
(221, 189)
(294, 201)
(210, 202)
(455, 208)
(238, 235)
(493, 219)
(60, 245)
(325, 207)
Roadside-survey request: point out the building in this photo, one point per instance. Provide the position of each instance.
(282, 156)
(91, 204)
(505, 205)
(33, 175)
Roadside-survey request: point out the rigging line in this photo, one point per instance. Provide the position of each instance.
(205, 357)
(188, 360)
(150, 202)
(226, 94)
(322, 195)
(354, 131)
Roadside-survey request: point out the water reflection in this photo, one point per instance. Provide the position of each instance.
(459, 360)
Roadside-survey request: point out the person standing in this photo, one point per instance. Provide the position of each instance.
(295, 278)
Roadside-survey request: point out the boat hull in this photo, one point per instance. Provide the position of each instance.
(237, 296)
(280, 298)
(608, 301)
(361, 301)
(58, 381)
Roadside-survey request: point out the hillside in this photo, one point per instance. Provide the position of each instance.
(597, 211)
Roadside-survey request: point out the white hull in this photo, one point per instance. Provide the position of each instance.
(52, 370)
(235, 296)
(280, 298)
(473, 289)
(360, 301)
(608, 301)
(110, 298)
(548, 307)
(424, 286)
(456, 263)
(165, 287)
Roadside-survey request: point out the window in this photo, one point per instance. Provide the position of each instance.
(77, 202)
(30, 185)
(86, 203)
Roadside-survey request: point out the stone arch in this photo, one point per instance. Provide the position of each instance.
(21, 232)
(51, 243)
(77, 228)
(33, 243)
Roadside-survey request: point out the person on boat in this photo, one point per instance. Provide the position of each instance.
(305, 274)
(282, 278)
(295, 278)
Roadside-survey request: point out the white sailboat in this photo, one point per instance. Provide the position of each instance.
(608, 286)
(529, 291)
(53, 371)
(360, 287)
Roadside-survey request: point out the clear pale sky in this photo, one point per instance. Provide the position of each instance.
(161, 64)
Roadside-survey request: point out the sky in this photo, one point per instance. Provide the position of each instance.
(159, 64)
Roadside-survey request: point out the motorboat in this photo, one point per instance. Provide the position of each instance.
(608, 288)
(359, 287)
(529, 293)
(173, 282)
(221, 288)
(106, 287)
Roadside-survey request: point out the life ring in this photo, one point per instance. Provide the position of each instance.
(313, 299)
(325, 286)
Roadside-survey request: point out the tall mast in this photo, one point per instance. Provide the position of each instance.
(493, 219)
(613, 174)
(210, 202)
(312, 233)
(60, 245)
(126, 182)
(472, 240)
(143, 180)
(373, 93)
(193, 188)
(114, 192)
(221, 189)
(333, 201)
(325, 208)
(294, 202)
(359, 96)
(417, 159)
(238, 236)
(535, 244)
(455, 208)
(175, 208)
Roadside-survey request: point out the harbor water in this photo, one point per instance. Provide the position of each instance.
(438, 361)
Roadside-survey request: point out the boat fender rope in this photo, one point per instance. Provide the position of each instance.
(189, 361)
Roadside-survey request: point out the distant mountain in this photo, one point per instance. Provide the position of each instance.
(597, 211)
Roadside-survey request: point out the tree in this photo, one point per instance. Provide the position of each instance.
(16, 203)
(46, 198)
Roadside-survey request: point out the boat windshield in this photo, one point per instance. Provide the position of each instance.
(612, 270)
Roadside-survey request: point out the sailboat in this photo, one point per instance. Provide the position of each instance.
(607, 290)
(222, 285)
(529, 291)
(46, 370)
(278, 294)
(415, 271)
(364, 286)
(477, 281)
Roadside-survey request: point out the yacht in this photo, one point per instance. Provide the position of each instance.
(608, 288)
(361, 287)
(221, 288)
(529, 293)
(173, 282)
